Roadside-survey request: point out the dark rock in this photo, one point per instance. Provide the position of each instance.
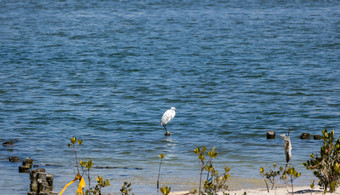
(270, 134)
(167, 133)
(317, 137)
(305, 136)
(35, 171)
(41, 182)
(34, 177)
(10, 143)
(28, 162)
(13, 159)
(49, 179)
(24, 169)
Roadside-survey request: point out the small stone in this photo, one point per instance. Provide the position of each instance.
(13, 159)
(10, 143)
(317, 137)
(305, 136)
(270, 134)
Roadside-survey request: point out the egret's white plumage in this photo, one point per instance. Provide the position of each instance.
(287, 147)
(167, 117)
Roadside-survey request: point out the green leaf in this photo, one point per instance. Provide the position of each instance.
(161, 156)
(73, 140)
(312, 185)
(226, 169)
(261, 169)
(197, 150)
(204, 149)
(89, 164)
(82, 163)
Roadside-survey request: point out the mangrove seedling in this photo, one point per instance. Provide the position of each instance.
(165, 190)
(101, 183)
(326, 166)
(126, 188)
(292, 174)
(161, 156)
(216, 182)
(203, 162)
(75, 147)
(270, 176)
(88, 166)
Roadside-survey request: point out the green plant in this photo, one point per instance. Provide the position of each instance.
(292, 174)
(312, 186)
(75, 147)
(88, 166)
(270, 176)
(101, 183)
(126, 188)
(165, 190)
(100, 180)
(326, 166)
(205, 163)
(216, 182)
(161, 156)
(75, 143)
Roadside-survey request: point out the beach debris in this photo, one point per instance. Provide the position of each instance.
(9, 143)
(41, 183)
(26, 166)
(166, 118)
(270, 134)
(13, 159)
(287, 148)
(305, 136)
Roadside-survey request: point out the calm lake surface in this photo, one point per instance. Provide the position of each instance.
(105, 72)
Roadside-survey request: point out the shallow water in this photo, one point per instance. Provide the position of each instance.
(106, 71)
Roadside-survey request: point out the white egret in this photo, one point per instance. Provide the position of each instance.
(287, 147)
(167, 117)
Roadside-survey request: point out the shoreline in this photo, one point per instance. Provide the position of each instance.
(278, 191)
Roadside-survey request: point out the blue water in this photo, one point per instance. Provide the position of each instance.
(105, 71)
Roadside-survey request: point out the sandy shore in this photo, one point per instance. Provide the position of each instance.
(278, 191)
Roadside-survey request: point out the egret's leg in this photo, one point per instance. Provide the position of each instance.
(166, 131)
